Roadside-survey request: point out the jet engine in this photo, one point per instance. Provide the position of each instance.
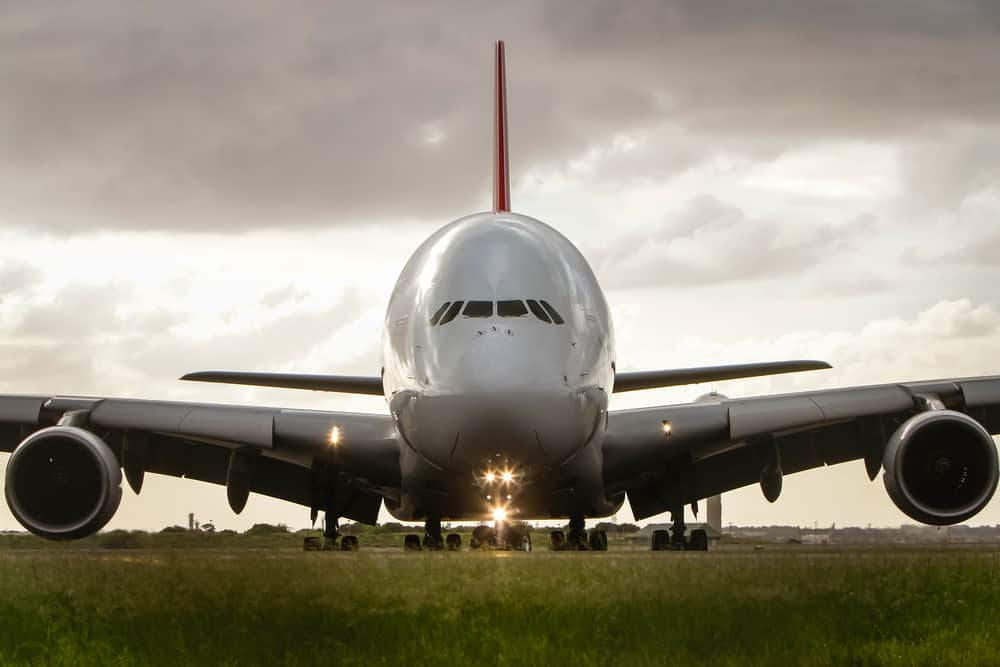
(63, 483)
(940, 467)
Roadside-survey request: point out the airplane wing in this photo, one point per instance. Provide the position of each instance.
(670, 456)
(349, 384)
(302, 456)
(633, 380)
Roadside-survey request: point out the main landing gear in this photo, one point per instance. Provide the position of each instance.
(579, 538)
(675, 539)
(433, 539)
(331, 533)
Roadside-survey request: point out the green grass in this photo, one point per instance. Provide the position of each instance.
(167, 607)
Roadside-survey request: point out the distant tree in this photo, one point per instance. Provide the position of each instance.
(120, 539)
(174, 529)
(267, 529)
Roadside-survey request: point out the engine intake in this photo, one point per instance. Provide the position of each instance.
(941, 467)
(63, 483)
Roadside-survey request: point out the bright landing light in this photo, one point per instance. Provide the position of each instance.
(499, 514)
(490, 477)
(335, 435)
(507, 477)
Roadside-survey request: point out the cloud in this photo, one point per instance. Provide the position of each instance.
(102, 339)
(713, 242)
(190, 117)
(16, 277)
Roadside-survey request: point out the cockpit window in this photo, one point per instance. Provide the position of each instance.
(513, 308)
(538, 311)
(478, 309)
(552, 312)
(439, 312)
(452, 312)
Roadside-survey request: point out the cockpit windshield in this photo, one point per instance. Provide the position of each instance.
(513, 308)
(541, 309)
(478, 309)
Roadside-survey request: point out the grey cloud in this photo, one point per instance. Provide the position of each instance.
(17, 277)
(713, 242)
(186, 116)
(85, 340)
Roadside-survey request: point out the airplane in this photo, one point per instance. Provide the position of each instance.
(498, 365)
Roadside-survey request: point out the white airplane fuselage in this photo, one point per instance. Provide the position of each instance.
(494, 386)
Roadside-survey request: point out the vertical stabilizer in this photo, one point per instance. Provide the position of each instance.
(501, 172)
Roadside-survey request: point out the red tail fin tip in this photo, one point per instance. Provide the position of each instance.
(501, 166)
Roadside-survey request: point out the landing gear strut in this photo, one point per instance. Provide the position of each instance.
(678, 540)
(433, 540)
(331, 532)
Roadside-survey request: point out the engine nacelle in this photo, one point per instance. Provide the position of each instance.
(941, 467)
(63, 483)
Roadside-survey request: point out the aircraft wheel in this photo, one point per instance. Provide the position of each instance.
(482, 536)
(660, 540)
(598, 540)
(432, 543)
(411, 543)
(454, 541)
(698, 541)
(312, 544)
(349, 543)
(557, 540)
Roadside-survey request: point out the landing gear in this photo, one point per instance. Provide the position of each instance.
(312, 544)
(482, 537)
(557, 540)
(598, 540)
(675, 539)
(453, 542)
(678, 541)
(331, 532)
(349, 543)
(433, 540)
(411, 543)
(698, 541)
(660, 540)
(577, 540)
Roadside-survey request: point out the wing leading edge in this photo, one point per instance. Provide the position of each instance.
(348, 384)
(632, 381)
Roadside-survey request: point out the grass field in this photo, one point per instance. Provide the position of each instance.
(249, 607)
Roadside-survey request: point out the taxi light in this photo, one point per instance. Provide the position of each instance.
(335, 435)
(667, 428)
(499, 514)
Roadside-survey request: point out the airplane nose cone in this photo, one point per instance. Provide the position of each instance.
(506, 400)
(533, 428)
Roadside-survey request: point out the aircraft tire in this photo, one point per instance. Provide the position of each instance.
(660, 540)
(698, 540)
(453, 541)
(557, 540)
(312, 544)
(349, 543)
(598, 540)
(411, 543)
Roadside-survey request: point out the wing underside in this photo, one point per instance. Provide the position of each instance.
(291, 451)
(675, 455)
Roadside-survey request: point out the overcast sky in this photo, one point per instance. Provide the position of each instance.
(193, 185)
